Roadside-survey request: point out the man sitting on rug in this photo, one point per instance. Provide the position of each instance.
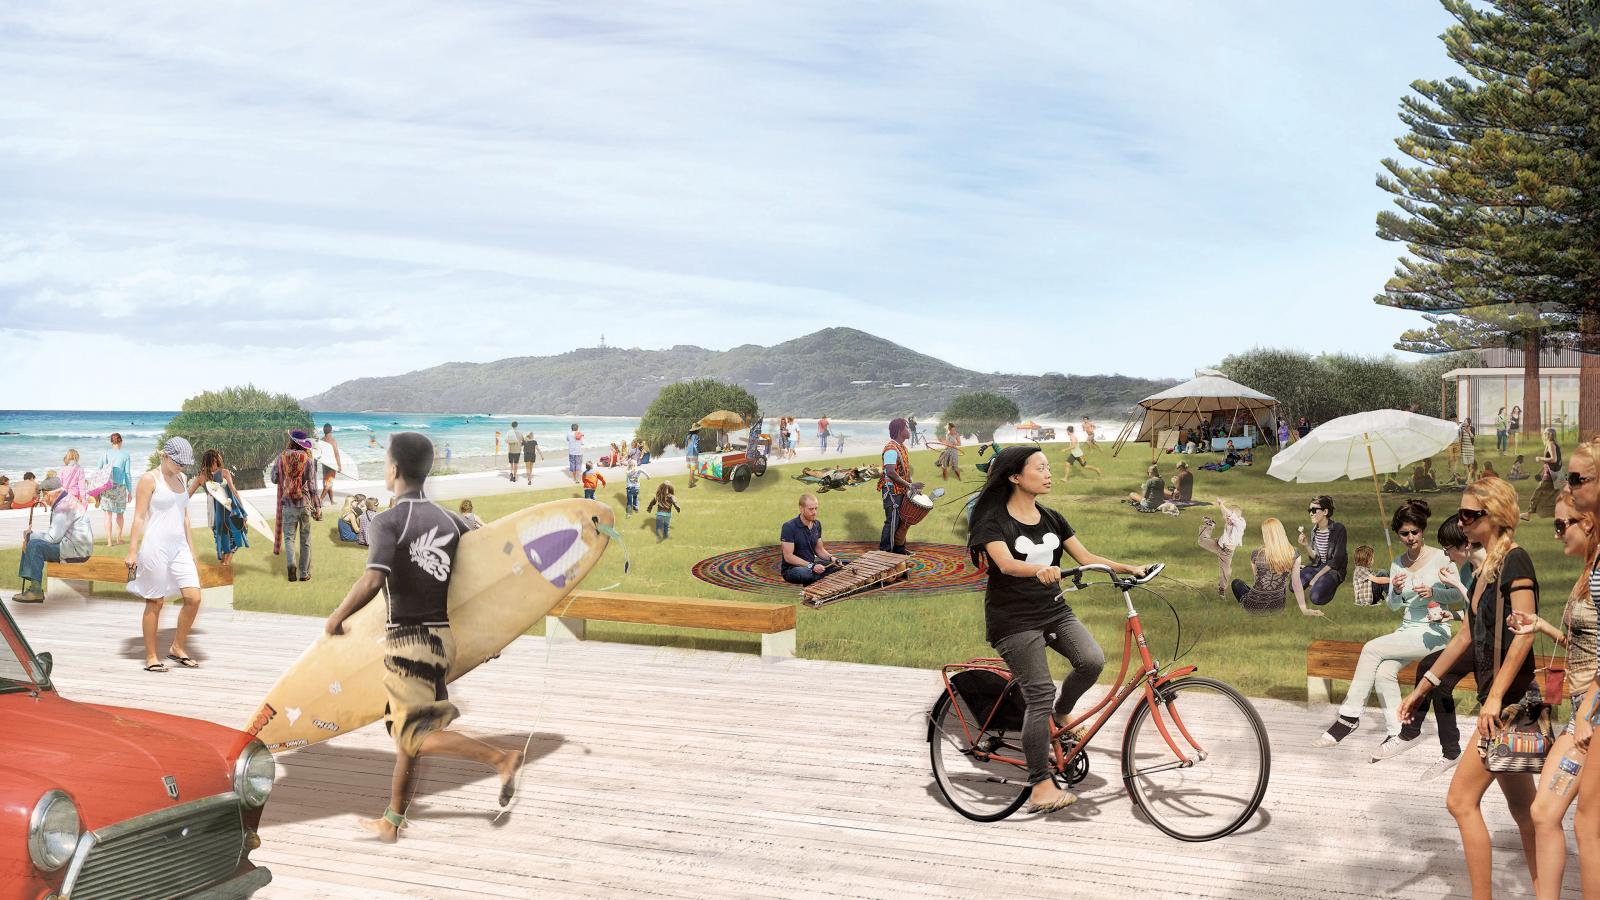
(805, 558)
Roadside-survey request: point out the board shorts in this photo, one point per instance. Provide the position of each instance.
(515, 457)
(163, 573)
(327, 477)
(416, 662)
(574, 462)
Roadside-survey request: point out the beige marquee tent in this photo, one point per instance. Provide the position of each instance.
(1197, 403)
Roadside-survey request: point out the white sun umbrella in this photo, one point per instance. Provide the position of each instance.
(1362, 445)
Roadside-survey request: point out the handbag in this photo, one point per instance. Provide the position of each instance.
(1523, 743)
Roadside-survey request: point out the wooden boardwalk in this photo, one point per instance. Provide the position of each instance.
(696, 774)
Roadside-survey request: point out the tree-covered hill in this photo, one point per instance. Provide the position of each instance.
(841, 372)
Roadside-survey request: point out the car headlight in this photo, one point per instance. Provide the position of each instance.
(53, 831)
(252, 775)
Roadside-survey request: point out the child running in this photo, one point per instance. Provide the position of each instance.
(635, 473)
(664, 505)
(1075, 457)
(592, 480)
(412, 550)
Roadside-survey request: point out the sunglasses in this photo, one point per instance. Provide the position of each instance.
(1313, 509)
(1576, 480)
(1562, 525)
(1468, 516)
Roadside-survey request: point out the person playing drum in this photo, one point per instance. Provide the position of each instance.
(893, 485)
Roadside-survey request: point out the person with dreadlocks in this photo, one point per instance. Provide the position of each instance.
(298, 503)
(411, 556)
(893, 485)
(1021, 542)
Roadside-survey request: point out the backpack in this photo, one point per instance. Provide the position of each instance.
(292, 474)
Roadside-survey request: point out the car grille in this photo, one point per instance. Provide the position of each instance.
(177, 851)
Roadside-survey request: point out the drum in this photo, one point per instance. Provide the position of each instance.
(914, 508)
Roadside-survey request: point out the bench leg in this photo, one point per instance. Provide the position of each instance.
(563, 628)
(220, 596)
(1319, 690)
(58, 589)
(779, 645)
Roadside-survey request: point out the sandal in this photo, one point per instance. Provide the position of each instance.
(155, 667)
(1066, 799)
(184, 661)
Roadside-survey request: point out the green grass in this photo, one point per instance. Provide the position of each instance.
(1263, 655)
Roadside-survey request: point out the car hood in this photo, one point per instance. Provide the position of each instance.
(113, 761)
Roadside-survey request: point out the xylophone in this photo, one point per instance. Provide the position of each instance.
(873, 570)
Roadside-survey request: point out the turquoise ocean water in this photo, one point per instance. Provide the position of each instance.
(36, 439)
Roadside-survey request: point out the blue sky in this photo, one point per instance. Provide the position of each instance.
(294, 194)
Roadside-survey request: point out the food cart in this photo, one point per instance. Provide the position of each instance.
(735, 464)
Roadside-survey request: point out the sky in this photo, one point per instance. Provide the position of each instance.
(198, 194)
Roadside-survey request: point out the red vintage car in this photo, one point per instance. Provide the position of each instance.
(102, 801)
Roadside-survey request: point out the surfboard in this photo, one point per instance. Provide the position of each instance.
(325, 456)
(255, 520)
(508, 575)
(219, 493)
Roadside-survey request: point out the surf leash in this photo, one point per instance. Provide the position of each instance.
(611, 534)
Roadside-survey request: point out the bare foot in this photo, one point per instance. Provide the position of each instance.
(386, 833)
(510, 763)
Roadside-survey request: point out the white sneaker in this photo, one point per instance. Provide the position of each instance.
(1440, 767)
(1394, 745)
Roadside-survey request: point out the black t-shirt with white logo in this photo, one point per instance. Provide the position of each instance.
(414, 546)
(1012, 604)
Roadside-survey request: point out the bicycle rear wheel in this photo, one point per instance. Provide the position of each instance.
(1221, 779)
(980, 789)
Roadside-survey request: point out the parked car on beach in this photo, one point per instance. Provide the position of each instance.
(104, 801)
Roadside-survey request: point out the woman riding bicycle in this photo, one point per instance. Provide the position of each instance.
(1024, 612)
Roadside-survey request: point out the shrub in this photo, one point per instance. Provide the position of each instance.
(678, 406)
(246, 423)
(981, 412)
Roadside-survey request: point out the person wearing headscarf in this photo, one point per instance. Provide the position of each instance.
(893, 486)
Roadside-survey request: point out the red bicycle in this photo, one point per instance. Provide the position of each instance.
(1195, 756)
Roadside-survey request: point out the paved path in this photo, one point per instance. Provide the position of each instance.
(693, 774)
(443, 487)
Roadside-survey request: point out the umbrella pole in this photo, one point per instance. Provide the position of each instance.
(1377, 492)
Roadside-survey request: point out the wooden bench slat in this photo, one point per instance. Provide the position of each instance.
(685, 612)
(111, 571)
(1337, 659)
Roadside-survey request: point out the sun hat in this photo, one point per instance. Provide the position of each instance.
(178, 450)
(301, 439)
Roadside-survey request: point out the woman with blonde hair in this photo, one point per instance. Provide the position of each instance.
(1506, 584)
(1273, 563)
(1583, 492)
(72, 478)
(1579, 535)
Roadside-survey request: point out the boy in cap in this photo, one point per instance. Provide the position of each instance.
(298, 503)
(412, 550)
(68, 539)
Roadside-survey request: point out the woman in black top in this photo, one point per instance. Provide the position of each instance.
(1325, 545)
(1507, 582)
(1024, 612)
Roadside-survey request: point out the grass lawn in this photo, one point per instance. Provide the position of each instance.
(1264, 656)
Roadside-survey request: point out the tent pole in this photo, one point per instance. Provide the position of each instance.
(1382, 516)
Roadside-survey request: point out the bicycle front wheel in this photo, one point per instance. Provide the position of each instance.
(1206, 775)
(978, 787)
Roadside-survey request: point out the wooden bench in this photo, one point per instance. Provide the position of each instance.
(74, 581)
(775, 622)
(1327, 660)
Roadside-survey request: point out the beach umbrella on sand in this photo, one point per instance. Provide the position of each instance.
(722, 420)
(1362, 445)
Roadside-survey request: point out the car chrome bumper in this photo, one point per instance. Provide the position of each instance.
(243, 886)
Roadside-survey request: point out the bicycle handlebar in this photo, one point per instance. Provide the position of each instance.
(1076, 575)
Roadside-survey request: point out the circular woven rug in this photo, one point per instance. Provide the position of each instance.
(935, 569)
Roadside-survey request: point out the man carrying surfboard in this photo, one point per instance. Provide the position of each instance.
(327, 471)
(411, 554)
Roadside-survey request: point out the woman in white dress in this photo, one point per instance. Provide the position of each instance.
(161, 552)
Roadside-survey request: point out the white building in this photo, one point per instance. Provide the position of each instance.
(1496, 381)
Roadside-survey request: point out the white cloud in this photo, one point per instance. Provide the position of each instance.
(311, 193)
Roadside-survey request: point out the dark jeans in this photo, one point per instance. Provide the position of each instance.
(1443, 701)
(632, 504)
(1500, 441)
(1239, 589)
(588, 493)
(1024, 654)
(891, 520)
(38, 552)
(1320, 593)
(347, 533)
(799, 574)
(296, 519)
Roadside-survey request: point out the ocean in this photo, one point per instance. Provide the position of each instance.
(35, 440)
